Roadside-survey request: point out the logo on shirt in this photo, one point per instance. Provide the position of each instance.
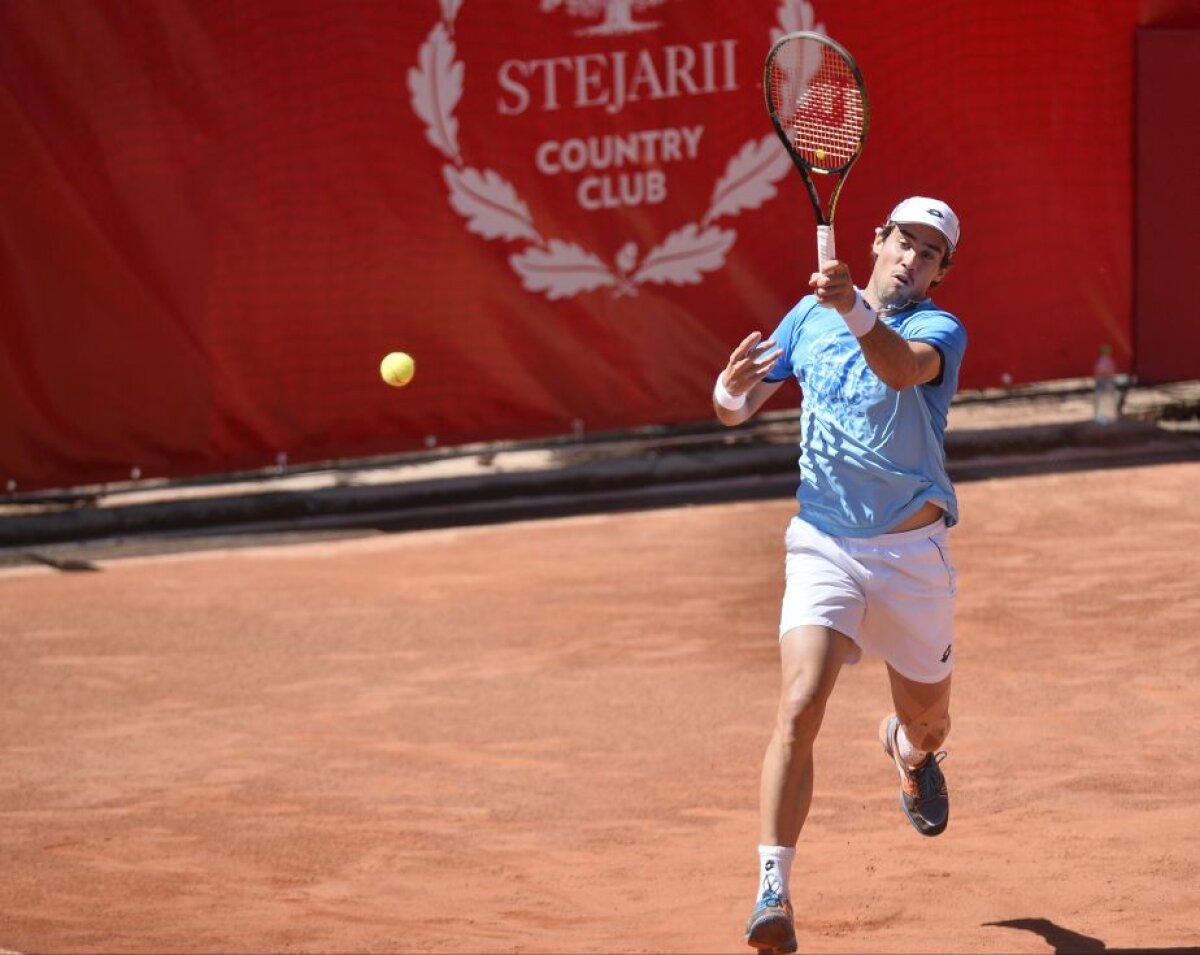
(838, 379)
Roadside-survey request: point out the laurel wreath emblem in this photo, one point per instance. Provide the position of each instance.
(560, 269)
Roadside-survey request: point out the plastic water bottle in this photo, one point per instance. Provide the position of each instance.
(1107, 400)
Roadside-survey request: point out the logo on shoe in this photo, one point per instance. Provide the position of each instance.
(946, 655)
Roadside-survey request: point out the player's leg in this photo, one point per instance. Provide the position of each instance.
(912, 736)
(811, 658)
(923, 710)
(910, 624)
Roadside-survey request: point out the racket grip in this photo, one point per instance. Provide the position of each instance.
(826, 250)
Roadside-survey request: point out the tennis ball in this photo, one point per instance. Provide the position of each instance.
(397, 369)
(820, 153)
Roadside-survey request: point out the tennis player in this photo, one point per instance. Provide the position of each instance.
(868, 569)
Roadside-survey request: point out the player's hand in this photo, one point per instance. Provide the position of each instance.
(749, 363)
(833, 286)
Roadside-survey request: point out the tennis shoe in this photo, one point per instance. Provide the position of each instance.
(771, 928)
(923, 795)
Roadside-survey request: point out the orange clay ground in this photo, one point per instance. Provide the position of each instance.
(545, 737)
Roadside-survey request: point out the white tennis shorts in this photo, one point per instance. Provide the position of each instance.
(893, 594)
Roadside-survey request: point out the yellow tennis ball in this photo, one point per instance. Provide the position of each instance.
(397, 368)
(820, 153)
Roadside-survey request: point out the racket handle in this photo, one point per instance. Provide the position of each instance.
(826, 252)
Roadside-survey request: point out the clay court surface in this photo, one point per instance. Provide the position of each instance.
(545, 737)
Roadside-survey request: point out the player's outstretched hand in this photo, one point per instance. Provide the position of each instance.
(749, 363)
(833, 286)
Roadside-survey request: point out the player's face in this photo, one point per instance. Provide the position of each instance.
(907, 262)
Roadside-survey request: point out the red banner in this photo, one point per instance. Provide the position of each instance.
(218, 216)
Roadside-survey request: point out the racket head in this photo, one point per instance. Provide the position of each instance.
(817, 101)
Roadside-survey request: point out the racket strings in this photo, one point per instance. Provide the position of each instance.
(819, 103)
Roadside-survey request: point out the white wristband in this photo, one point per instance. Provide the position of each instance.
(860, 319)
(723, 397)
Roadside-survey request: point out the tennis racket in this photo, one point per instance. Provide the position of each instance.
(817, 102)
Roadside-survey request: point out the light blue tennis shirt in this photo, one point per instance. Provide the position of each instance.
(869, 456)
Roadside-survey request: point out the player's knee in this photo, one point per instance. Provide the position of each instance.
(800, 713)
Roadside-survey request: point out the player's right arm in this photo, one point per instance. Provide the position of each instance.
(743, 374)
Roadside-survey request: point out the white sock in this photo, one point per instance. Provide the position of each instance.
(909, 754)
(775, 870)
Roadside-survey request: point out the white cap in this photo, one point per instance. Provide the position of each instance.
(931, 212)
